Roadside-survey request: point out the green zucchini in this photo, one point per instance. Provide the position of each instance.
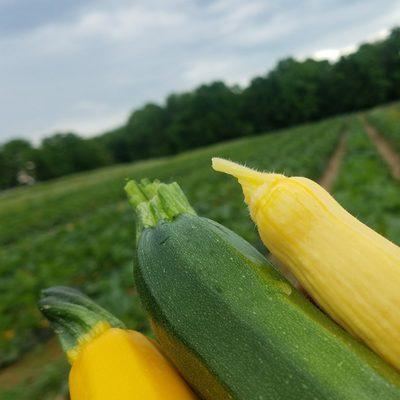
(230, 323)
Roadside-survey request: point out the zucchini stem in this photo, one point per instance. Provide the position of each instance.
(155, 201)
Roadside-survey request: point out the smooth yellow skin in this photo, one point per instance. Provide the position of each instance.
(351, 271)
(124, 365)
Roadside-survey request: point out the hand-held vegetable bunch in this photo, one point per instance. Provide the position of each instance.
(108, 361)
(352, 272)
(230, 323)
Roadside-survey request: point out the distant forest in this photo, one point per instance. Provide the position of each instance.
(293, 92)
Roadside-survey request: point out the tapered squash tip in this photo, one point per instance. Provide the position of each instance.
(234, 169)
(249, 179)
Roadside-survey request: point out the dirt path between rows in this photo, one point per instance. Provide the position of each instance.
(31, 365)
(384, 148)
(328, 177)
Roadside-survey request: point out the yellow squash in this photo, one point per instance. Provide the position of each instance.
(351, 271)
(121, 364)
(108, 361)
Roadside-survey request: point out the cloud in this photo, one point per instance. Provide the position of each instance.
(85, 64)
(104, 27)
(344, 28)
(20, 16)
(94, 122)
(333, 54)
(124, 24)
(90, 120)
(228, 69)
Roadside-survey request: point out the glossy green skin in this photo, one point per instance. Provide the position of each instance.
(236, 330)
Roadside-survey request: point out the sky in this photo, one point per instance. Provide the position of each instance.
(83, 66)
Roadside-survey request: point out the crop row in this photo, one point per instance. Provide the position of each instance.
(26, 211)
(387, 122)
(365, 187)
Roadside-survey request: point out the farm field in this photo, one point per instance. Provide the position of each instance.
(79, 230)
(365, 186)
(386, 120)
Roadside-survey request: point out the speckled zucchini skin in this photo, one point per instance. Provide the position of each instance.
(237, 330)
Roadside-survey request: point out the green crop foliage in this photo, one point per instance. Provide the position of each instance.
(365, 187)
(387, 121)
(80, 231)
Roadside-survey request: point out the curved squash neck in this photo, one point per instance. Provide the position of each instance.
(75, 318)
(92, 334)
(253, 182)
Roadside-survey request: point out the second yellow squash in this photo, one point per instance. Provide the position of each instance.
(351, 271)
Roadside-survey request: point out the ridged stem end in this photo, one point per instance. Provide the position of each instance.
(74, 317)
(249, 179)
(155, 201)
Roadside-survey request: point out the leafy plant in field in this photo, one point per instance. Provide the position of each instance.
(387, 121)
(365, 187)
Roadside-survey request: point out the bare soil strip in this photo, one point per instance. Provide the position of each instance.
(328, 177)
(31, 365)
(384, 148)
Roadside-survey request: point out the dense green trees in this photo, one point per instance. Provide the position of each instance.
(390, 57)
(64, 153)
(208, 114)
(289, 94)
(145, 132)
(358, 80)
(57, 155)
(15, 162)
(293, 92)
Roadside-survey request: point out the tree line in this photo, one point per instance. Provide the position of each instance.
(291, 93)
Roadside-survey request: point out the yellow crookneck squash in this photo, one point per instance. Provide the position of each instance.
(108, 361)
(351, 271)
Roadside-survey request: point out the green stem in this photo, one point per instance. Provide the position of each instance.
(73, 314)
(155, 201)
